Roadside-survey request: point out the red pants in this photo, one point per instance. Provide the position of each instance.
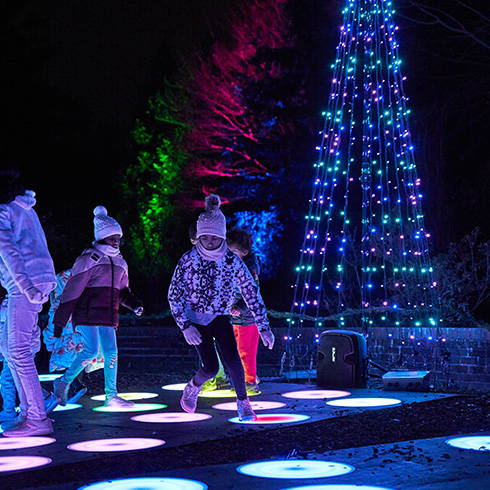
(247, 339)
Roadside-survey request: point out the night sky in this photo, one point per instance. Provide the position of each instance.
(77, 74)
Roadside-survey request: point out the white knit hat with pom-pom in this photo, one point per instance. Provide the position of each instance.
(104, 225)
(212, 221)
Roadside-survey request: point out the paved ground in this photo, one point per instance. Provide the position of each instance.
(421, 464)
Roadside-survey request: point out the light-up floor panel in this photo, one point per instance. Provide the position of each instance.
(175, 387)
(477, 443)
(137, 407)
(170, 417)
(254, 405)
(315, 394)
(68, 406)
(117, 444)
(15, 463)
(7, 443)
(127, 396)
(218, 394)
(337, 487)
(294, 469)
(147, 484)
(275, 418)
(364, 402)
(49, 377)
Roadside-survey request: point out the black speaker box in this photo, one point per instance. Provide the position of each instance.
(342, 360)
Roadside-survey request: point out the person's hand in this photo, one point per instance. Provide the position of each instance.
(58, 329)
(235, 312)
(35, 296)
(192, 335)
(267, 338)
(138, 311)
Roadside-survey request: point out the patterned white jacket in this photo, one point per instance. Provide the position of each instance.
(208, 288)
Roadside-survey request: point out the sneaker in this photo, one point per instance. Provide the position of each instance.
(252, 389)
(222, 383)
(31, 428)
(115, 401)
(19, 420)
(245, 412)
(50, 401)
(189, 397)
(5, 415)
(61, 390)
(76, 393)
(209, 385)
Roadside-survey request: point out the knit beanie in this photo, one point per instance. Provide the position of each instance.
(104, 225)
(212, 221)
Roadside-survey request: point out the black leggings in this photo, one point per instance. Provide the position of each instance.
(221, 330)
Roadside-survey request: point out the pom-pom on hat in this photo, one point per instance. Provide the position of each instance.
(104, 225)
(212, 221)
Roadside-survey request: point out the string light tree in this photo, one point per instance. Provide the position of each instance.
(364, 261)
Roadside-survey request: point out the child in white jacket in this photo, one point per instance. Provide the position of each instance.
(201, 295)
(27, 273)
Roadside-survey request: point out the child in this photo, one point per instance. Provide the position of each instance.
(98, 283)
(65, 349)
(27, 273)
(240, 242)
(7, 384)
(201, 295)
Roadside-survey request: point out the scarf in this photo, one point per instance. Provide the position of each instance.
(213, 255)
(106, 249)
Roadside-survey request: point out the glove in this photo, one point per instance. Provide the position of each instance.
(192, 335)
(138, 311)
(57, 331)
(35, 296)
(267, 338)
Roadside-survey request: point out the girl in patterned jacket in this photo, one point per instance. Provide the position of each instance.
(98, 284)
(201, 296)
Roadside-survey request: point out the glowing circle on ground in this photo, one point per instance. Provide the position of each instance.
(175, 387)
(117, 444)
(337, 487)
(137, 407)
(69, 406)
(315, 394)
(147, 484)
(295, 469)
(218, 394)
(127, 396)
(365, 402)
(14, 463)
(170, 417)
(273, 418)
(254, 405)
(23, 442)
(477, 443)
(49, 377)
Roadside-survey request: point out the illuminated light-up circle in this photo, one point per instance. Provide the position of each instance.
(175, 387)
(254, 405)
(49, 377)
(295, 469)
(23, 442)
(337, 487)
(477, 443)
(218, 394)
(365, 402)
(147, 484)
(315, 394)
(276, 418)
(137, 407)
(69, 406)
(14, 463)
(118, 444)
(170, 417)
(127, 396)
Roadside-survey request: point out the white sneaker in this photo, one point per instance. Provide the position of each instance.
(245, 412)
(31, 428)
(115, 401)
(189, 397)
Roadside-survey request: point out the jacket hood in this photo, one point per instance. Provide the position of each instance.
(27, 201)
